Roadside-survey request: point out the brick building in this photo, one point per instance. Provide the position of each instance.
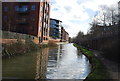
(30, 18)
(64, 35)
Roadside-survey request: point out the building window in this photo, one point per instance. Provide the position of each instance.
(22, 8)
(33, 7)
(16, 8)
(6, 8)
(5, 18)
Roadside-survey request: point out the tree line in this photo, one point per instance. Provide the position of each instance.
(103, 34)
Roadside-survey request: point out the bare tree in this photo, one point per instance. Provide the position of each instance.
(107, 15)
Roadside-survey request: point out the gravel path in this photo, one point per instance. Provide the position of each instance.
(113, 68)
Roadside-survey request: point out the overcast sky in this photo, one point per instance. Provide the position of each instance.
(76, 14)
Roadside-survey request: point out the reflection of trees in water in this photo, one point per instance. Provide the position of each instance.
(41, 63)
(79, 54)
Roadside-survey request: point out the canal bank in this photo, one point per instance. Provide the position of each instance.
(20, 48)
(98, 70)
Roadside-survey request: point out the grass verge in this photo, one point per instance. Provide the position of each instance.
(99, 71)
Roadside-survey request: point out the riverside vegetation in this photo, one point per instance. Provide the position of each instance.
(19, 48)
(99, 71)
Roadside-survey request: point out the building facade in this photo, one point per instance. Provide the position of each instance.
(55, 26)
(30, 18)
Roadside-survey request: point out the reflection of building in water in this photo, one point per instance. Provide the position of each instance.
(41, 63)
(55, 54)
(59, 54)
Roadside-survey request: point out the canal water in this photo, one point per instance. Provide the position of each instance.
(62, 62)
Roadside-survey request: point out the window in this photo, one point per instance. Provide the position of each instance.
(16, 8)
(6, 8)
(33, 7)
(5, 18)
(22, 8)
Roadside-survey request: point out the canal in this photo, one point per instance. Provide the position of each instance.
(62, 62)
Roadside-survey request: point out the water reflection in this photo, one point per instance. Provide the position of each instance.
(28, 66)
(41, 63)
(67, 63)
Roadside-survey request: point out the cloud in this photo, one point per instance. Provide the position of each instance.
(76, 14)
(68, 9)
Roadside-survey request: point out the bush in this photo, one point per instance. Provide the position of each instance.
(18, 48)
(13, 49)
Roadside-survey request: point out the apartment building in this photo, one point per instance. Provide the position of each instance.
(32, 18)
(55, 26)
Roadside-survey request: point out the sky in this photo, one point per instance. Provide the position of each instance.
(76, 14)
